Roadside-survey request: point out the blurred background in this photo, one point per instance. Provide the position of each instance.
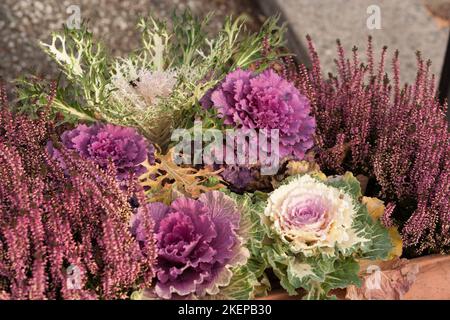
(24, 22)
(407, 25)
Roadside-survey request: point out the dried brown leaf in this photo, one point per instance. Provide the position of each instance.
(165, 177)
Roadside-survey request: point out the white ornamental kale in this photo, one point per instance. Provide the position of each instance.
(312, 217)
(140, 88)
(317, 228)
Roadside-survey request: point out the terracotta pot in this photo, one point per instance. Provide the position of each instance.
(433, 279)
(423, 278)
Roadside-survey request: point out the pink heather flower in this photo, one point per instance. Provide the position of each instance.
(265, 101)
(197, 244)
(396, 135)
(104, 142)
(53, 222)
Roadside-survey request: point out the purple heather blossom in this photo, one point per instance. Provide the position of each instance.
(197, 244)
(395, 134)
(53, 222)
(104, 142)
(266, 101)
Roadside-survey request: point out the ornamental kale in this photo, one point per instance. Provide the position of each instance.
(198, 244)
(316, 230)
(103, 143)
(266, 102)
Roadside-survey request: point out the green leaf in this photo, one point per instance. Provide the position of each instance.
(242, 286)
(348, 183)
(379, 243)
(345, 272)
(249, 280)
(279, 261)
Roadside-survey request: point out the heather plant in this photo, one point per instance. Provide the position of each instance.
(64, 232)
(396, 136)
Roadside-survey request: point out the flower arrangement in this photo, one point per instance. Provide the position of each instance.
(155, 88)
(359, 169)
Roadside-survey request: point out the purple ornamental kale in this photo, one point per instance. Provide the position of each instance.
(197, 244)
(239, 177)
(104, 142)
(266, 101)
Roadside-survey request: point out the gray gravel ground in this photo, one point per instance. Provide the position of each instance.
(24, 22)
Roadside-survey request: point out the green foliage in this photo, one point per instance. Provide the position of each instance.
(380, 244)
(184, 48)
(86, 65)
(35, 89)
(243, 285)
(249, 281)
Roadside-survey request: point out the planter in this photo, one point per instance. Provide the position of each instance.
(433, 279)
(424, 278)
